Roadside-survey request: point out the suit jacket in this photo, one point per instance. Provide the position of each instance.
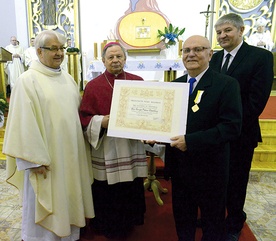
(253, 68)
(208, 132)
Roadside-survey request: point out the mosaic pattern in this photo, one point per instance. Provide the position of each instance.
(260, 207)
(10, 211)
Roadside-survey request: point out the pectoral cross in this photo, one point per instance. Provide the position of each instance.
(207, 15)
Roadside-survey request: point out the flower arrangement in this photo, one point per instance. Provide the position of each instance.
(72, 50)
(4, 105)
(170, 35)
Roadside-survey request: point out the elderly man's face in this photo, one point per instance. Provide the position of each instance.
(260, 29)
(13, 41)
(196, 54)
(51, 58)
(114, 59)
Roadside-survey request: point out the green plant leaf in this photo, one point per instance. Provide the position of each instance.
(171, 28)
(181, 31)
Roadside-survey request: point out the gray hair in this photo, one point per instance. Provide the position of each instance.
(46, 35)
(231, 18)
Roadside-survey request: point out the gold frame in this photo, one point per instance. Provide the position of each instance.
(127, 26)
(223, 7)
(63, 17)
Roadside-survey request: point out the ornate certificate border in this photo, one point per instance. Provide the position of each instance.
(59, 15)
(250, 11)
(146, 110)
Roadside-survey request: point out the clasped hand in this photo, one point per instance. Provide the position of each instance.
(261, 43)
(41, 170)
(177, 141)
(16, 56)
(105, 121)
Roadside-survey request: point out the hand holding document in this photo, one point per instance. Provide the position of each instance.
(146, 110)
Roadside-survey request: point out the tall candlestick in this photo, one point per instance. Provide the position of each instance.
(180, 43)
(95, 50)
(102, 47)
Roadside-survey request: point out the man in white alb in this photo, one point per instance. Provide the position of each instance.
(30, 54)
(47, 156)
(15, 67)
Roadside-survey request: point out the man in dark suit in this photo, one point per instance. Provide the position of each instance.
(253, 68)
(197, 162)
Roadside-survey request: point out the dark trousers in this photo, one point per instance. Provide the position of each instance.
(186, 199)
(240, 164)
(118, 207)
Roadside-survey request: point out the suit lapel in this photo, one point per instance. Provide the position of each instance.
(204, 83)
(217, 61)
(241, 54)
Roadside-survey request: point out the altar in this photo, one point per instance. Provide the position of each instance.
(168, 66)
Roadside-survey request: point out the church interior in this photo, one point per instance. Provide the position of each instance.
(135, 25)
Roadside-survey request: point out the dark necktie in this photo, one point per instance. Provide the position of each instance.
(225, 65)
(191, 82)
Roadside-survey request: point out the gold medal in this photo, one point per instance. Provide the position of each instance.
(197, 100)
(195, 108)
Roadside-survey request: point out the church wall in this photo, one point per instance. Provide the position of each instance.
(13, 19)
(7, 15)
(97, 20)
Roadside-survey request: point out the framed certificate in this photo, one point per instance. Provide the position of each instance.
(145, 110)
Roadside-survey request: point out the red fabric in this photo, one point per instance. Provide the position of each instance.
(97, 96)
(111, 43)
(159, 223)
(269, 111)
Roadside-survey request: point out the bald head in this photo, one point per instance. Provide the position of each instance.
(13, 40)
(200, 40)
(196, 54)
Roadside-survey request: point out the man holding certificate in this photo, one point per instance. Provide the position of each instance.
(197, 162)
(119, 164)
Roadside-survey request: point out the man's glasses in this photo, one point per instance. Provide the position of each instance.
(54, 48)
(196, 50)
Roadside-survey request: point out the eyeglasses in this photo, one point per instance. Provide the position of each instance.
(196, 50)
(54, 48)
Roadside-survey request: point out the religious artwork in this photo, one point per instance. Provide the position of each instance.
(58, 15)
(250, 11)
(143, 32)
(138, 28)
(49, 14)
(244, 6)
(207, 14)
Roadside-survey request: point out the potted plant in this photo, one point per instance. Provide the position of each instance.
(4, 105)
(170, 35)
